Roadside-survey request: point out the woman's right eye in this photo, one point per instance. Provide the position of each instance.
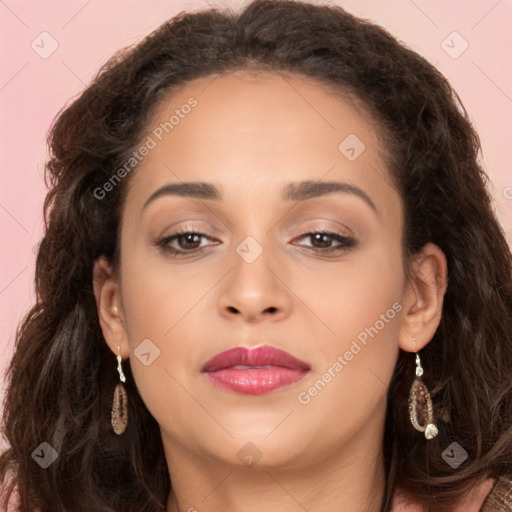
(185, 242)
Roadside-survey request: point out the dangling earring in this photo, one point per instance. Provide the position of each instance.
(420, 405)
(119, 417)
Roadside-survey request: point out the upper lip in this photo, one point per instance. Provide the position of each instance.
(260, 356)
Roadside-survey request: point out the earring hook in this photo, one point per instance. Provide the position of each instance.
(119, 368)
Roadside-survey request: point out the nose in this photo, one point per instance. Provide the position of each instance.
(256, 290)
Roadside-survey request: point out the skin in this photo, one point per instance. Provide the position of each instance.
(250, 136)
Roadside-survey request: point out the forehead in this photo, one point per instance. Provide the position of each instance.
(273, 100)
(246, 128)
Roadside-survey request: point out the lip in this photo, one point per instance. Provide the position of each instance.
(254, 371)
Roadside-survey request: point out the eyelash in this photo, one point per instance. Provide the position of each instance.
(345, 242)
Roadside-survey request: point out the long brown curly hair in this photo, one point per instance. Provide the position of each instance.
(62, 376)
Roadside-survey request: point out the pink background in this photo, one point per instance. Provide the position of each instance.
(33, 89)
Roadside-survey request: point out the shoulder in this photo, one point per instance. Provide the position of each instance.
(500, 497)
(489, 496)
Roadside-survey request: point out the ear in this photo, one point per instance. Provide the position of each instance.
(109, 306)
(423, 298)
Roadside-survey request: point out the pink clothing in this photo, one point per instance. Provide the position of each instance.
(472, 503)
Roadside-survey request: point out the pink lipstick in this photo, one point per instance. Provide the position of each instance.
(254, 371)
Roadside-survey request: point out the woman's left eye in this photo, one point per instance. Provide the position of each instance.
(324, 239)
(189, 242)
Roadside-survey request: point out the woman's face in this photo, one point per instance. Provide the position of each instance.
(283, 160)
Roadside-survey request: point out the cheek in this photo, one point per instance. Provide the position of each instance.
(362, 305)
(348, 391)
(165, 303)
(159, 294)
(352, 295)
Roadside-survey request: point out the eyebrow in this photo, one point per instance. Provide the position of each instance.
(292, 192)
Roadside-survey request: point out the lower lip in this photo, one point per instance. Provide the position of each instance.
(257, 381)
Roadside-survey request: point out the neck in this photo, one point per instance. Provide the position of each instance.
(349, 478)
